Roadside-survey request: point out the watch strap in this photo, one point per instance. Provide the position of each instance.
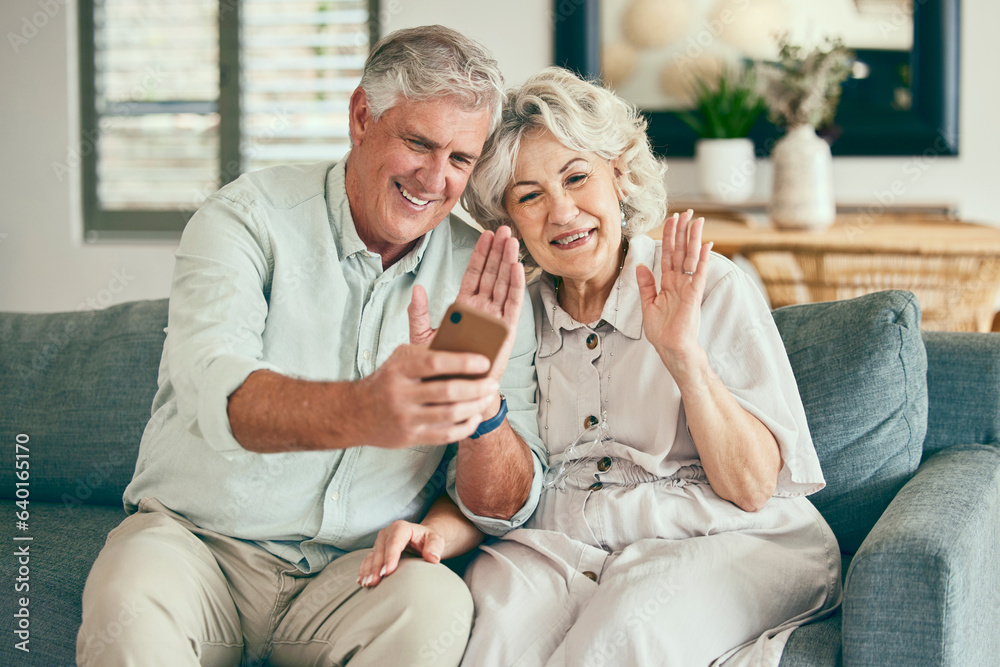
(493, 423)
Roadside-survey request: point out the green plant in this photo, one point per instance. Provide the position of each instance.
(726, 108)
(803, 88)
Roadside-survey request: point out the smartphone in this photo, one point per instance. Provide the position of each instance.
(468, 329)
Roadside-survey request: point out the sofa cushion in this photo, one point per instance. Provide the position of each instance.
(962, 390)
(861, 369)
(815, 644)
(67, 541)
(80, 386)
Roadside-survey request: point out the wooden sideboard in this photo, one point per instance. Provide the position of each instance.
(952, 267)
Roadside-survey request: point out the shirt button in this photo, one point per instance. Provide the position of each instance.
(604, 463)
(365, 354)
(590, 575)
(596, 486)
(592, 341)
(590, 421)
(334, 496)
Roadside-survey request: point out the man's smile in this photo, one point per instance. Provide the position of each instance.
(411, 198)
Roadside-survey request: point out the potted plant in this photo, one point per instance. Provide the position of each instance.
(802, 91)
(725, 111)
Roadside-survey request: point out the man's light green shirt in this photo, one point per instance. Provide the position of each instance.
(271, 274)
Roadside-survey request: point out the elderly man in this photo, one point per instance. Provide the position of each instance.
(299, 411)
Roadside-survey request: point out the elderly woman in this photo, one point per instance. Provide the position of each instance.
(674, 527)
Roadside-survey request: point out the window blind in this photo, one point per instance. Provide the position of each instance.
(301, 62)
(187, 95)
(156, 80)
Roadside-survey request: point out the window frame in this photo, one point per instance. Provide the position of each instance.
(99, 223)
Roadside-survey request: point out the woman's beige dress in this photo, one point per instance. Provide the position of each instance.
(631, 558)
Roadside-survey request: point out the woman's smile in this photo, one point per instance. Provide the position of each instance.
(573, 239)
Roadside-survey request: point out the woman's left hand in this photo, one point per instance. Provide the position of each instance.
(670, 316)
(391, 543)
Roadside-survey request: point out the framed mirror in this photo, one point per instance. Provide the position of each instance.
(903, 100)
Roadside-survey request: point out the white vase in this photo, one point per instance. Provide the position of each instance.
(802, 195)
(727, 169)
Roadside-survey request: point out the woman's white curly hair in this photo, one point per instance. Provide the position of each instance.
(585, 117)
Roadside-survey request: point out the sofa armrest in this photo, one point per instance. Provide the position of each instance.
(924, 588)
(963, 389)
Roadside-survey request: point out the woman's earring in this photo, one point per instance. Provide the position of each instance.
(621, 205)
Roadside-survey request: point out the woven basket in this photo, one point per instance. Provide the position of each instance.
(956, 292)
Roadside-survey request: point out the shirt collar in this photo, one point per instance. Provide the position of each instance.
(345, 233)
(622, 309)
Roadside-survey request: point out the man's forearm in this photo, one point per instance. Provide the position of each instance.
(273, 413)
(494, 473)
(394, 407)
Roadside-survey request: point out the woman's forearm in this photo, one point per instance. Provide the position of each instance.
(460, 535)
(738, 453)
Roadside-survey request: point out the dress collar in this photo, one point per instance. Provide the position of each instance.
(626, 318)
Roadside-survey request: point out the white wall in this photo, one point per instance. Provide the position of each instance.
(45, 266)
(517, 32)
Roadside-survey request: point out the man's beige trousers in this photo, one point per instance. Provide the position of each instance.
(165, 592)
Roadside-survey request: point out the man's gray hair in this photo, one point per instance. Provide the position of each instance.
(584, 117)
(431, 62)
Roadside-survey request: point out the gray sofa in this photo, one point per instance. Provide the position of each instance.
(906, 426)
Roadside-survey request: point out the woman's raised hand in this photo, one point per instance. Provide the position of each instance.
(670, 315)
(493, 282)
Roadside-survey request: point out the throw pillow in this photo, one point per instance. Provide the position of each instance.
(80, 385)
(861, 368)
